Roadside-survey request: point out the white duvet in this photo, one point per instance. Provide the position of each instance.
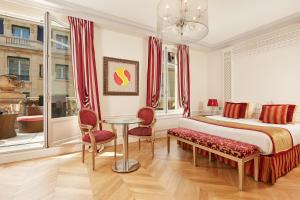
(252, 137)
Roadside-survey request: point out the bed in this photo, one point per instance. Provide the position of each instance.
(272, 164)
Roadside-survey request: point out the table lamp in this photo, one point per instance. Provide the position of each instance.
(213, 103)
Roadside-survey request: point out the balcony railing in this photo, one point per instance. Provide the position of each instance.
(11, 41)
(20, 43)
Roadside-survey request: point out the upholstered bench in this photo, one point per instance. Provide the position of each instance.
(30, 124)
(234, 150)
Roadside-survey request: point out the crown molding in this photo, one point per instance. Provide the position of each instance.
(283, 22)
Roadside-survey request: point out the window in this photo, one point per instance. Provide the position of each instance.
(19, 67)
(21, 32)
(40, 33)
(61, 42)
(41, 71)
(61, 72)
(1, 26)
(27, 94)
(168, 92)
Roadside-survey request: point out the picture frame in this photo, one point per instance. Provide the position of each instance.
(120, 77)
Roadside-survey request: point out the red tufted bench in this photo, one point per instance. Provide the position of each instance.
(231, 149)
(30, 124)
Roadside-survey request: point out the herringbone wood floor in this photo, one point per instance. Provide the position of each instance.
(165, 177)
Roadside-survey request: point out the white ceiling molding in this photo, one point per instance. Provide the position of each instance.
(124, 25)
(292, 19)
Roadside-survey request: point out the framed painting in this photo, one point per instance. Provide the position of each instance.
(121, 77)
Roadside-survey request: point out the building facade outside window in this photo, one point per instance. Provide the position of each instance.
(20, 32)
(19, 67)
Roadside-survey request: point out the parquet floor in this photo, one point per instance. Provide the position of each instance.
(165, 177)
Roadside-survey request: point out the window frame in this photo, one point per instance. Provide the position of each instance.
(21, 27)
(59, 43)
(165, 82)
(66, 75)
(19, 67)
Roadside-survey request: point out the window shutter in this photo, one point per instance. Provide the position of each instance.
(40, 33)
(1, 26)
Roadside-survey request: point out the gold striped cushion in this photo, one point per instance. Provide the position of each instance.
(276, 114)
(232, 110)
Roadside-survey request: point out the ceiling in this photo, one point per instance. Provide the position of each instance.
(229, 20)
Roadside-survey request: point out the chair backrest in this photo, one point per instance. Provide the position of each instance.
(87, 117)
(147, 114)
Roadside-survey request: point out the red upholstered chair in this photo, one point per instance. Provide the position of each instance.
(146, 129)
(88, 123)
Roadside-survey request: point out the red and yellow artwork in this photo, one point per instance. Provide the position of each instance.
(122, 76)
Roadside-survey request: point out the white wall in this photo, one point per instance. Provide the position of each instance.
(134, 47)
(265, 69)
(268, 76)
(215, 75)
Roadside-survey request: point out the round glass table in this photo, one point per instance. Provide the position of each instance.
(126, 164)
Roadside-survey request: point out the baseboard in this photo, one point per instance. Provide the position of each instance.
(39, 153)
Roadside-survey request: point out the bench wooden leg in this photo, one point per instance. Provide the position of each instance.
(241, 174)
(194, 156)
(168, 143)
(209, 156)
(256, 168)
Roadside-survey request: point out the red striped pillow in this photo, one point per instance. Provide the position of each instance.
(290, 112)
(241, 110)
(232, 110)
(275, 114)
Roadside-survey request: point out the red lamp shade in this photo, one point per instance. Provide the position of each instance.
(212, 102)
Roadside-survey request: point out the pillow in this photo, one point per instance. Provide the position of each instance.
(250, 110)
(235, 110)
(290, 112)
(275, 114)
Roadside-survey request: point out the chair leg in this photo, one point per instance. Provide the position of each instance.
(93, 156)
(115, 148)
(83, 152)
(168, 143)
(139, 144)
(152, 148)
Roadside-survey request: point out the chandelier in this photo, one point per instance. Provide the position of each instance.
(182, 21)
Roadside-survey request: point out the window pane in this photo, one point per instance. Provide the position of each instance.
(1, 26)
(21, 32)
(63, 96)
(61, 40)
(19, 67)
(161, 103)
(171, 88)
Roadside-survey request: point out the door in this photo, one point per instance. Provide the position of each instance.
(62, 106)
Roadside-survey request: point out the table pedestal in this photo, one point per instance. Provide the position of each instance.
(125, 165)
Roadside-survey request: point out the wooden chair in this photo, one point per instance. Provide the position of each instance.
(88, 123)
(146, 129)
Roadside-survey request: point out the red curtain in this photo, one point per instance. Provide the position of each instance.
(84, 64)
(154, 71)
(183, 60)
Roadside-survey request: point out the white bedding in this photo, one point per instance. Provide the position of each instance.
(252, 137)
